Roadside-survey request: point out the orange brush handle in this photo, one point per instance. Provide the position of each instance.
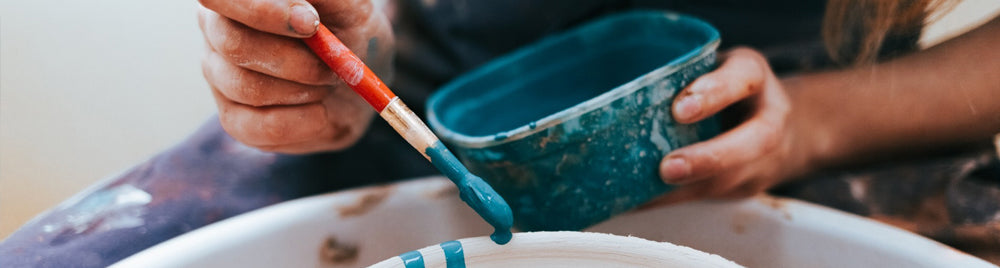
(349, 67)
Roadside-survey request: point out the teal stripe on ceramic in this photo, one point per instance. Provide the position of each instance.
(412, 259)
(453, 254)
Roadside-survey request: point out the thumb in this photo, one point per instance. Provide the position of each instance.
(344, 14)
(294, 18)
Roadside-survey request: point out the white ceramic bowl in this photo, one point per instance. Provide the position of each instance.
(364, 226)
(557, 250)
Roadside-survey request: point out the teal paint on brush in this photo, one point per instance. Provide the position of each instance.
(412, 259)
(453, 254)
(475, 192)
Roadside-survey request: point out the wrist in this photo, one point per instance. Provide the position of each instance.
(814, 144)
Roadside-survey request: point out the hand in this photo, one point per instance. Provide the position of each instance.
(758, 153)
(272, 92)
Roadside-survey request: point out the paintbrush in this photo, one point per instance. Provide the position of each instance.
(472, 189)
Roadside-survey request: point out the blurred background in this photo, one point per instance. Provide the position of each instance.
(90, 88)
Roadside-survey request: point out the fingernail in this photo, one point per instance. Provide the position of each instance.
(688, 107)
(675, 169)
(304, 19)
(702, 85)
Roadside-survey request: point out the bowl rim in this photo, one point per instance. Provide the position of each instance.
(216, 241)
(560, 245)
(575, 111)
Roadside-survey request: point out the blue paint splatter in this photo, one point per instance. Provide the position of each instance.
(475, 192)
(453, 254)
(412, 259)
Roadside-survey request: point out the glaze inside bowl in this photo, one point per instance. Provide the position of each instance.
(513, 102)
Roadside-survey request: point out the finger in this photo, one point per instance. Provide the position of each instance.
(294, 18)
(281, 57)
(271, 126)
(725, 184)
(743, 191)
(739, 146)
(742, 74)
(344, 14)
(679, 195)
(357, 24)
(350, 118)
(255, 89)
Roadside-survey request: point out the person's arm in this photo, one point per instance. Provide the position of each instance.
(944, 96)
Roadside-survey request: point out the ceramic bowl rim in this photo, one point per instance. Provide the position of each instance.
(309, 213)
(554, 244)
(575, 111)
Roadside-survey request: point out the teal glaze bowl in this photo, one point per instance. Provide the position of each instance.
(571, 130)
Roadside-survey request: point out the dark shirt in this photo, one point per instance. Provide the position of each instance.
(440, 39)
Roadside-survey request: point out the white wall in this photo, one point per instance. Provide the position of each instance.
(89, 88)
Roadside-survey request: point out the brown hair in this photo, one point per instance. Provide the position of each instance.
(866, 31)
